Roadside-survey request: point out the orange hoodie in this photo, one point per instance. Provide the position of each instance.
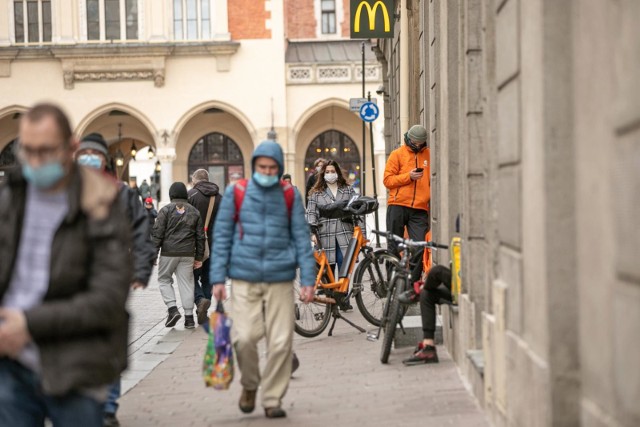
(402, 190)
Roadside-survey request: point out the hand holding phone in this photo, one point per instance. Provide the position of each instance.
(419, 169)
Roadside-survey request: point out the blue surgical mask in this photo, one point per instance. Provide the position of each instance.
(90, 160)
(45, 176)
(265, 180)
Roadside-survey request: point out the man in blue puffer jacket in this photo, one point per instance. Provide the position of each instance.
(260, 252)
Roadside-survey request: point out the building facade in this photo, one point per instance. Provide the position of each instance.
(199, 82)
(532, 107)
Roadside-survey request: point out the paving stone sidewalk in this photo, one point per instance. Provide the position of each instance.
(340, 382)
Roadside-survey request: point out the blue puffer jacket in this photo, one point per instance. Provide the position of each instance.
(272, 246)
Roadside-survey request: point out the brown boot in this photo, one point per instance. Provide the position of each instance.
(248, 401)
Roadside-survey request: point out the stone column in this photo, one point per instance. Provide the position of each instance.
(166, 174)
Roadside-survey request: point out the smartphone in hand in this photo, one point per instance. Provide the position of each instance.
(419, 169)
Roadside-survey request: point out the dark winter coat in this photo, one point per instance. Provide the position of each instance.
(142, 248)
(178, 231)
(199, 197)
(152, 214)
(81, 326)
(273, 244)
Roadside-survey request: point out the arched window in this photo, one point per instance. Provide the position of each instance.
(335, 145)
(220, 155)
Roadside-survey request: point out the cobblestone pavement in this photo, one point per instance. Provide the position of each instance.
(340, 381)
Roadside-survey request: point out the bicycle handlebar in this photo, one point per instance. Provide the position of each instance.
(408, 242)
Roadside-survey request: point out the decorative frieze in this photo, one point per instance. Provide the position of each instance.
(331, 73)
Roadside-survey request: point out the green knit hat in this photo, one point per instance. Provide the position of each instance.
(417, 133)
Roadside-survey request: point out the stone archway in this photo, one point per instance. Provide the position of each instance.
(215, 139)
(329, 118)
(126, 130)
(335, 145)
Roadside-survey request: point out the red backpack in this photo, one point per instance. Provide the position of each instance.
(240, 188)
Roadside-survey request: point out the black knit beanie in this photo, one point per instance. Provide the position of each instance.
(178, 191)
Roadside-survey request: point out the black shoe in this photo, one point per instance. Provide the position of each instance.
(275, 412)
(295, 364)
(201, 310)
(343, 301)
(428, 354)
(110, 420)
(189, 323)
(173, 317)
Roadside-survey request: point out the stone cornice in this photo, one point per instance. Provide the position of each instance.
(117, 62)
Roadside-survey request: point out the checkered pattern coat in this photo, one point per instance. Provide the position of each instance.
(330, 230)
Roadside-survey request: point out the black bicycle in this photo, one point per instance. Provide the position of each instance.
(400, 281)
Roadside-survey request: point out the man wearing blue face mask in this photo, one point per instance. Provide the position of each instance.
(64, 280)
(260, 238)
(93, 153)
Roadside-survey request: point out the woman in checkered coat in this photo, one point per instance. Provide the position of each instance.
(335, 234)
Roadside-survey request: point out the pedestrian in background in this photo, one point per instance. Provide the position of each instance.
(64, 279)
(150, 212)
(205, 197)
(179, 236)
(335, 234)
(93, 153)
(259, 248)
(311, 181)
(145, 190)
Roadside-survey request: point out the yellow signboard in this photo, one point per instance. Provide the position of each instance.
(377, 22)
(456, 268)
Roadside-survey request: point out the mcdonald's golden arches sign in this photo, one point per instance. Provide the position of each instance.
(372, 19)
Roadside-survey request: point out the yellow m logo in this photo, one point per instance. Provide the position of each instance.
(371, 12)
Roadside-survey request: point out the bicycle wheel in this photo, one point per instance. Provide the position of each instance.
(313, 318)
(393, 315)
(371, 284)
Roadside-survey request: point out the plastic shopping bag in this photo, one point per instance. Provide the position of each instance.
(217, 367)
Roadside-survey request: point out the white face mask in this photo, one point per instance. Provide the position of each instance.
(331, 178)
(318, 168)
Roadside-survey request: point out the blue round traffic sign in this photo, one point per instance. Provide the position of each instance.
(369, 112)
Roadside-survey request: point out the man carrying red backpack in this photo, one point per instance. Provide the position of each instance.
(260, 238)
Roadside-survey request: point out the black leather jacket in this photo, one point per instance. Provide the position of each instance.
(178, 231)
(81, 326)
(143, 250)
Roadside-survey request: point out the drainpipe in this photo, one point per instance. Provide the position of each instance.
(404, 67)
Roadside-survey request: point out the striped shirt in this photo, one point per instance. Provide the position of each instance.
(44, 213)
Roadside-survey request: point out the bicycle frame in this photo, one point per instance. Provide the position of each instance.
(342, 284)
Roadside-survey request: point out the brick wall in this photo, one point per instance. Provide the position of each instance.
(300, 19)
(247, 19)
(346, 23)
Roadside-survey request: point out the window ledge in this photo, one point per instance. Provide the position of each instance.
(134, 61)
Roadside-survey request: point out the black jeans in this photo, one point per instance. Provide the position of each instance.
(417, 223)
(437, 287)
(202, 288)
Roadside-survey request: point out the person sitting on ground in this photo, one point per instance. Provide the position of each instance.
(436, 288)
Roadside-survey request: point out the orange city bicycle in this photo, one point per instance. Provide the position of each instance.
(370, 277)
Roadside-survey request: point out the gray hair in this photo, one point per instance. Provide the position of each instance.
(200, 175)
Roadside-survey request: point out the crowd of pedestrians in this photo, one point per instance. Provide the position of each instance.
(74, 241)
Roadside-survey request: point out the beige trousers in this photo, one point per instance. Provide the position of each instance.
(252, 322)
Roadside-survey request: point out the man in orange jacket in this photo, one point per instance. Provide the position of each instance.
(406, 176)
